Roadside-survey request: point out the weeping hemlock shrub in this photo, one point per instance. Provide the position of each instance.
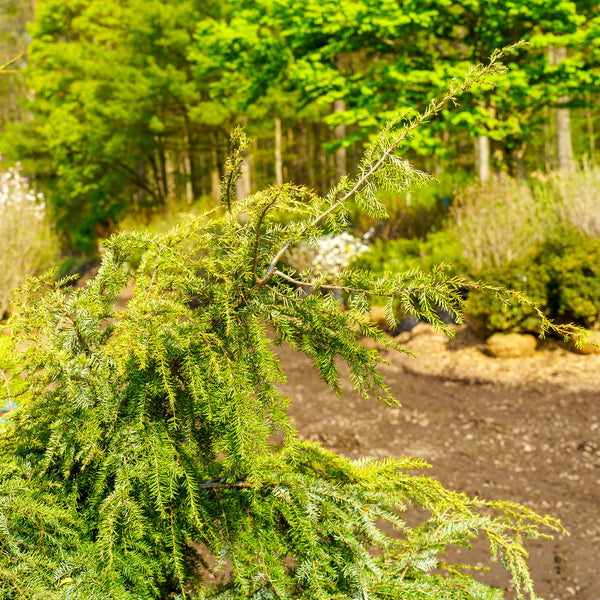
(152, 457)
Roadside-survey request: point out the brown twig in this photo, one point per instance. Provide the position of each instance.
(219, 484)
(257, 236)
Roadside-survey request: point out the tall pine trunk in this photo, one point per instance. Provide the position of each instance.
(482, 157)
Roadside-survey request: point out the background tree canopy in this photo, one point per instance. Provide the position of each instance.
(129, 103)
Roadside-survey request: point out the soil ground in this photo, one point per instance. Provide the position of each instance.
(525, 429)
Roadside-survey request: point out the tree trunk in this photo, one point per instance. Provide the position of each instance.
(278, 160)
(324, 183)
(303, 156)
(563, 139)
(482, 157)
(564, 146)
(311, 144)
(340, 134)
(547, 127)
(193, 164)
(518, 160)
(215, 171)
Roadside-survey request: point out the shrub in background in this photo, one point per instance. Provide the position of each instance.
(572, 260)
(498, 223)
(28, 244)
(562, 275)
(512, 237)
(140, 463)
(395, 256)
(494, 314)
(574, 197)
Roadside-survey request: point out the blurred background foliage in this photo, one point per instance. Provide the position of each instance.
(119, 111)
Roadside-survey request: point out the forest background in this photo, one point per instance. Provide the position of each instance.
(120, 113)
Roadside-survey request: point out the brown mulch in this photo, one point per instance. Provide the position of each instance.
(521, 429)
(464, 358)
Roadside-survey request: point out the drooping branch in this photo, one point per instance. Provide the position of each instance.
(261, 218)
(477, 75)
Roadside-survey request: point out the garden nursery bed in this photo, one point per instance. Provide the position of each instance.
(525, 429)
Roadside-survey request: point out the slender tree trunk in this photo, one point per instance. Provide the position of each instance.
(215, 171)
(202, 187)
(290, 170)
(157, 182)
(564, 145)
(309, 156)
(482, 157)
(324, 182)
(563, 139)
(162, 161)
(518, 160)
(193, 181)
(302, 154)
(278, 160)
(547, 127)
(340, 133)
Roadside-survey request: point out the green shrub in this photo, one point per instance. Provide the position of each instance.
(141, 461)
(562, 275)
(527, 276)
(573, 263)
(396, 256)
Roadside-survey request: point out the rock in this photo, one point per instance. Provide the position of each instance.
(511, 345)
(592, 344)
(424, 338)
(377, 316)
(407, 324)
(423, 328)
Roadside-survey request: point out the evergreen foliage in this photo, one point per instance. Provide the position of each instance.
(152, 456)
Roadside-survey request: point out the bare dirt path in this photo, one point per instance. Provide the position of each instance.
(526, 430)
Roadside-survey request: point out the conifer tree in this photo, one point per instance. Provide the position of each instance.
(152, 456)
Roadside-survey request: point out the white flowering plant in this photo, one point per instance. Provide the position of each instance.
(28, 244)
(330, 255)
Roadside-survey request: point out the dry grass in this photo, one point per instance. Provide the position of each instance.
(498, 222)
(574, 197)
(28, 245)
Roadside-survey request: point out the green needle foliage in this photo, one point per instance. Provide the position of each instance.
(152, 456)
